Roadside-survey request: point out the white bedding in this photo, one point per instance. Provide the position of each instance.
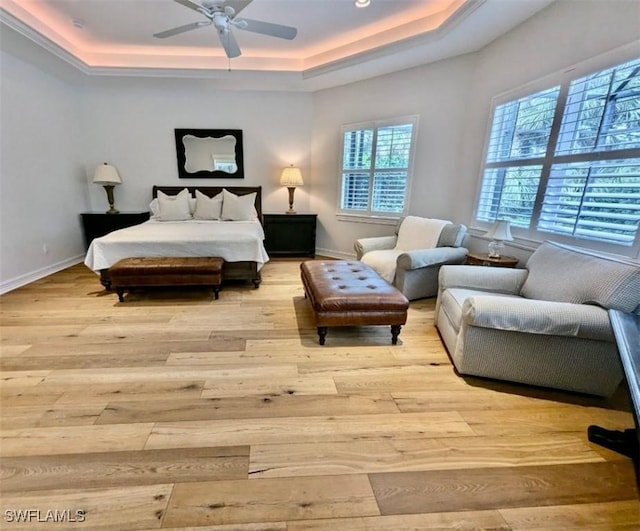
(235, 241)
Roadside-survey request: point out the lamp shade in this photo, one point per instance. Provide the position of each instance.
(501, 231)
(291, 176)
(106, 174)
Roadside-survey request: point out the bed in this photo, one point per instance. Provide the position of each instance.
(239, 243)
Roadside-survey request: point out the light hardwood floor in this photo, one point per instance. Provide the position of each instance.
(172, 410)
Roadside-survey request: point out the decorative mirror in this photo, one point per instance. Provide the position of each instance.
(209, 153)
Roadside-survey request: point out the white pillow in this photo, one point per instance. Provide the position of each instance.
(155, 208)
(174, 207)
(208, 207)
(238, 207)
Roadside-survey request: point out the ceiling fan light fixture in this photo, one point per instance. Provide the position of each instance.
(222, 15)
(362, 3)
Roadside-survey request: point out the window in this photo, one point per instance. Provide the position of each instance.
(565, 161)
(376, 167)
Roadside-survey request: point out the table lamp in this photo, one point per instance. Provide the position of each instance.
(107, 176)
(291, 177)
(499, 233)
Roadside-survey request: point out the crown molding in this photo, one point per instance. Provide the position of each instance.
(292, 75)
(426, 38)
(26, 31)
(454, 33)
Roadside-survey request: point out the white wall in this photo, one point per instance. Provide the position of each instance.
(41, 178)
(438, 94)
(453, 99)
(130, 124)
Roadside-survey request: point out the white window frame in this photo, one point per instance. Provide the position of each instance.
(369, 216)
(529, 239)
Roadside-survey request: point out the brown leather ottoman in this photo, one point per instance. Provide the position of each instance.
(187, 271)
(346, 293)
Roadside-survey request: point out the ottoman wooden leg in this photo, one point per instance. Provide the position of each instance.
(105, 280)
(120, 292)
(322, 333)
(216, 292)
(395, 332)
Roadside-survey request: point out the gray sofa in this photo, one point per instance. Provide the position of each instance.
(544, 325)
(417, 271)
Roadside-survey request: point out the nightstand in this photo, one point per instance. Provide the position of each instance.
(96, 224)
(483, 259)
(290, 234)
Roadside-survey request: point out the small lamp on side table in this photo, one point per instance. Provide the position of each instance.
(499, 233)
(291, 177)
(107, 176)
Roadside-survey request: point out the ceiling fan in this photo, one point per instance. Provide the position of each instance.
(223, 16)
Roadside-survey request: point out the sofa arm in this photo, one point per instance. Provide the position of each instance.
(420, 258)
(364, 245)
(490, 279)
(537, 317)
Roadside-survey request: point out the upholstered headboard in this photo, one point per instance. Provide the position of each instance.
(210, 191)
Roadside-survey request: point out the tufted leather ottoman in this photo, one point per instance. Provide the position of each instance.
(346, 293)
(165, 271)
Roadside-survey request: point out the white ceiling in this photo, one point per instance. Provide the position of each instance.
(336, 41)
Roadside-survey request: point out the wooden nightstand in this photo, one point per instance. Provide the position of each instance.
(290, 234)
(96, 224)
(483, 259)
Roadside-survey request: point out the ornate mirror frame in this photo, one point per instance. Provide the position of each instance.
(181, 153)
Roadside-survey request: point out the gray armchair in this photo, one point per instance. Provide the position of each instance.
(544, 325)
(416, 271)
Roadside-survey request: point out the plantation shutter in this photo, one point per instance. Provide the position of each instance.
(596, 197)
(599, 200)
(566, 160)
(375, 168)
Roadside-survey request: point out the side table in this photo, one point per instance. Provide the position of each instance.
(96, 224)
(290, 234)
(483, 259)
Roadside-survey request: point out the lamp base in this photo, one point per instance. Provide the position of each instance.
(292, 190)
(495, 249)
(109, 189)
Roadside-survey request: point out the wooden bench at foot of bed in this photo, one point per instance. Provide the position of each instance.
(164, 271)
(346, 293)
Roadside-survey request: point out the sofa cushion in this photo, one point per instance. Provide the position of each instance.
(565, 274)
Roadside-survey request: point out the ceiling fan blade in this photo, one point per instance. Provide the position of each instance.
(237, 5)
(266, 28)
(191, 5)
(181, 29)
(229, 44)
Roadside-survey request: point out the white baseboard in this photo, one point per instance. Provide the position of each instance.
(330, 253)
(17, 282)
